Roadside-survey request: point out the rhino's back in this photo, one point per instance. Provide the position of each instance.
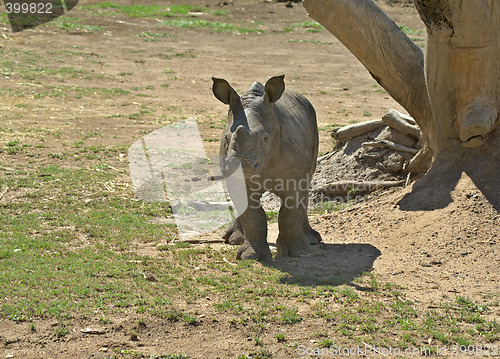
(299, 131)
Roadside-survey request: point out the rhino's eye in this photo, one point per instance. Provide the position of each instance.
(266, 138)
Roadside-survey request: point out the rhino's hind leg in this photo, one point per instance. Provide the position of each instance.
(292, 241)
(312, 236)
(255, 246)
(234, 233)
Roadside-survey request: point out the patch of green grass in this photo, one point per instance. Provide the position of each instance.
(216, 26)
(61, 331)
(310, 25)
(137, 115)
(13, 143)
(290, 316)
(280, 337)
(30, 65)
(101, 5)
(327, 343)
(349, 294)
(78, 92)
(190, 319)
(169, 356)
(57, 155)
(54, 280)
(231, 306)
(220, 12)
(272, 216)
(153, 36)
(141, 10)
(64, 53)
(469, 306)
(262, 354)
(4, 18)
(115, 115)
(35, 72)
(179, 54)
(73, 24)
(410, 31)
(17, 318)
(92, 134)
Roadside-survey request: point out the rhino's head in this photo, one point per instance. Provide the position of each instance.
(252, 131)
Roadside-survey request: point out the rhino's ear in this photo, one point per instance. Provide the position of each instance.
(274, 88)
(223, 91)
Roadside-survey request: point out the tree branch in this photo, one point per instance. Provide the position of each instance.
(395, 62)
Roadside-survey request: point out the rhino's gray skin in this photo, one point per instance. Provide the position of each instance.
(274, 134)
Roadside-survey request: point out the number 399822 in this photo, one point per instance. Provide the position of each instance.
(28, 8)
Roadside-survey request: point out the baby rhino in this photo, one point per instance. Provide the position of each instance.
(273, 134)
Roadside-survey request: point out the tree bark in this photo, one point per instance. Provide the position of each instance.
(393, 60)
(455, 100)
(462, 70)
(458, 94)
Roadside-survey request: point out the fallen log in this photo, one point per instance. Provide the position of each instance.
(325, 157)
(358, 129)
(354, 188)
(391, 145)
(395, 119)
(405, 117)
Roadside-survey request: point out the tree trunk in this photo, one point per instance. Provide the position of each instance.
(463, 77)
(393, 60)
(455, 98)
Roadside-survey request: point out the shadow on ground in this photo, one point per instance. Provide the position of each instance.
(328, 264)
(482, 165)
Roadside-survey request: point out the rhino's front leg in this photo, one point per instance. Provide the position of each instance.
(292, 240)
(254, 223)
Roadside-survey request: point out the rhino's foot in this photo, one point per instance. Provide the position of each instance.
(236, 238)
(314, 237)
(233, 235)
(246, 251)
(293, 247)
(313, 240)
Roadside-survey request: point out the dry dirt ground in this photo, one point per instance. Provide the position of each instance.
(451, 250)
